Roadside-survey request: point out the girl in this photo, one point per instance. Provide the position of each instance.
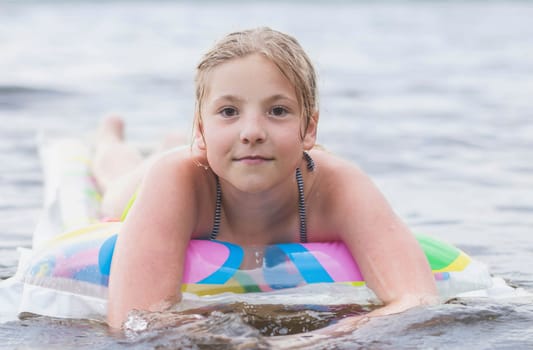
(252, 176)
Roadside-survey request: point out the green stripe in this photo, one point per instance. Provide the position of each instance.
(128, 206)
(438, 253)
(246, 282)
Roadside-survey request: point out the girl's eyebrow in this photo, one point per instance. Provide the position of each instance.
(230, 98)
(237, 99)
(280, 97)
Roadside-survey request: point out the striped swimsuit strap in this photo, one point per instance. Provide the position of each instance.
(301, 202)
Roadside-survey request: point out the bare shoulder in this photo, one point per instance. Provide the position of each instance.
(333, 165)
(177, 183)
(173, 170)
(338, 176)
(343, 193)
(180, 162)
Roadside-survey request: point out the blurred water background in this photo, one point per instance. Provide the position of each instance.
(432, 98)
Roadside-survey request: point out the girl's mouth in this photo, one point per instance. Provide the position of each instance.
(253, 159)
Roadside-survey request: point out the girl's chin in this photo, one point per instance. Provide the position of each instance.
(252, 186)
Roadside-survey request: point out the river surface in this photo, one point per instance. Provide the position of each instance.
(432, 99)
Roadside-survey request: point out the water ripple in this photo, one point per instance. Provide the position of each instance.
(17, 97)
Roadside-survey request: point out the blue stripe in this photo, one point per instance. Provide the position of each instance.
(105, 255)
(278, 270)
(230, 266)
(309, 267)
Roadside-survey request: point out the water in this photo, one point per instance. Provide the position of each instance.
(432, 99)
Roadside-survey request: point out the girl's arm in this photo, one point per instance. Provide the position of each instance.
(150, 250)
(389, 257)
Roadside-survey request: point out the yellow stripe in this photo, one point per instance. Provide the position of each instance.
(353, 284)
(78, 158)
(95, 229)
(210, 289)
(232, 287)
(459, 264)
(128, 206)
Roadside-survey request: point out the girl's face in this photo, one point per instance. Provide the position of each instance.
(252, 124)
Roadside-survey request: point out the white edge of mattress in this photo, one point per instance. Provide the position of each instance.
(61, 304)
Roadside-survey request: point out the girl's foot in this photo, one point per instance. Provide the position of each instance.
(112, 157)
(111, 129)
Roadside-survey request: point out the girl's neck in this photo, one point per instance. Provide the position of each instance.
(260, 218)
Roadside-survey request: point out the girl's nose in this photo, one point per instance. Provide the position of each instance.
(252, 131)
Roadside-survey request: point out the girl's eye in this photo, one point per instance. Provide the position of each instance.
(228, 112)
(279, 111)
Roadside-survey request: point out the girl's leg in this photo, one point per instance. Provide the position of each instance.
(117, 167)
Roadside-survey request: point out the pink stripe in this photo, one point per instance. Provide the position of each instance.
(203, 258)
(337, 260)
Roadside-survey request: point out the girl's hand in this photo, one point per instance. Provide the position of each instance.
(342, 328)
(347, 326)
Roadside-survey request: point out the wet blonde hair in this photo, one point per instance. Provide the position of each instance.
(282, 49)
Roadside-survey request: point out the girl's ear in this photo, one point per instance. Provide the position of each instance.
(199, 139)
(310, 134)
